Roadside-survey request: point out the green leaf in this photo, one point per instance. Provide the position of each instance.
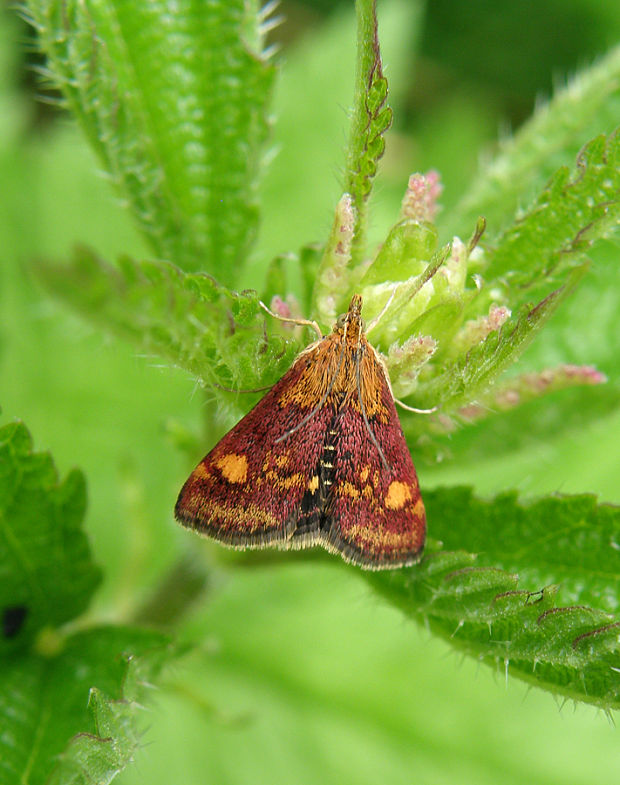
(482, 611)
(460, 381)
(187, 318)
(174, 103)
(312, 109)
(407, 244)
(74, 717)
(566, 338)
(324, 682)
(551, 138)
(567, 540)
(500, 617)
(573, 339)
(67, 705)
(370, 120)
(568, 216)
(47, 576)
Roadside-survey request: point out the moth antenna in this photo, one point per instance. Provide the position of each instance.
(319, 405)
(413, 409)
(305, 322)
(358, 379)
(372, 324)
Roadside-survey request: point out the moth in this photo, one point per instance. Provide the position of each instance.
(320, 460)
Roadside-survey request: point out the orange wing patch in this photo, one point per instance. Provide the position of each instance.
(234, 467)
(398, 494)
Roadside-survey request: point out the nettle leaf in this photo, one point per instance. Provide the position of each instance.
(174, 101)
(68, 704)
(589, 104)
(72, 717)
(512, 620)
(571, 213)
(47, 576)
(460, 381)
(567, 540)
(216, 334)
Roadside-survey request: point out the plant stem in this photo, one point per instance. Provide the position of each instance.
(367, 56)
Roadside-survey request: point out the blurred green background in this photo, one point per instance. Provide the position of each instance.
(301, 674)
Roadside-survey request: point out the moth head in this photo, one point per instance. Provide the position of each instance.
(351, 323)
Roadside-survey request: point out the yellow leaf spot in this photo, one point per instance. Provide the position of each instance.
(234, 468)
(313, 484)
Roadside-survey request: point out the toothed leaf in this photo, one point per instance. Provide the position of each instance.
(75, 715)
(174, 102)
(47, 576)
(187, 318)
(522, 603)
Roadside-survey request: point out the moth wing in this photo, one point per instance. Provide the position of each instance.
(248, 491)
(376, 515)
